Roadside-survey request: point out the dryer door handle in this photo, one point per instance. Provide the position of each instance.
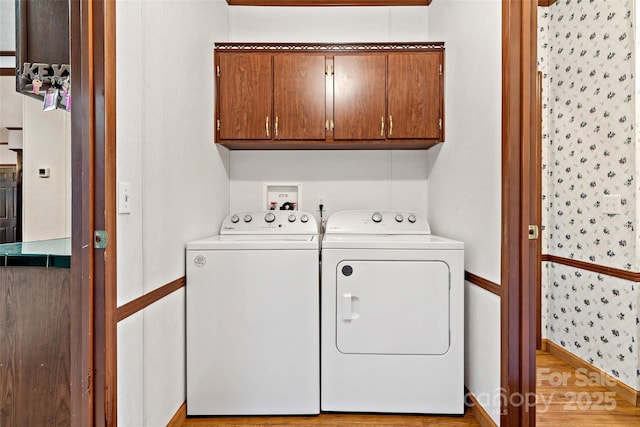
(349, 307)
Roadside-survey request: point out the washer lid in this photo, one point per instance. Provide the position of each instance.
(256, 242)
(389, 241)
(377, 222)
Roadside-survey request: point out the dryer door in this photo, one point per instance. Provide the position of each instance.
(392, 307)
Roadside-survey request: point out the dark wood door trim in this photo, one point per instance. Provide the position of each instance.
(92, 270)
(105, 310)
(82, 256)
(110, 212)
(518, 127)
(536, 193)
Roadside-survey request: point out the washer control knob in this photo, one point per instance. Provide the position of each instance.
(376, 217)
(269, 217)
(399, 218)
(304, 218)
(247, 218)
(235, 219)
(411, 218)
(292, 218)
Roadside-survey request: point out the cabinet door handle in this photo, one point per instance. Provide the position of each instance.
(267, 125)
(276, 131)
(390, 124)
(382, 126)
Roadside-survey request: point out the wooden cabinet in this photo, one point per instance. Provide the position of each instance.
(244, 101)
(414, 96)
(359, 105)
(329, 96)
(299, 97)
(42, 43)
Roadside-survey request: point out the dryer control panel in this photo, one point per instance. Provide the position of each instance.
(377, 222)
(270, 222)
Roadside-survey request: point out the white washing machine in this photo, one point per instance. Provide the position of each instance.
(392, 316)
(253, 317)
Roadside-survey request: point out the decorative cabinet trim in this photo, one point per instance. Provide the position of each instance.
(332, 47)
(329, 2)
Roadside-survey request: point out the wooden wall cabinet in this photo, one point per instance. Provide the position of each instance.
(244, 100)
(42, 41)
(328, 96)
(299, 97)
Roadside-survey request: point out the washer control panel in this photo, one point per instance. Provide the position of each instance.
(377, 222)
(270, 222)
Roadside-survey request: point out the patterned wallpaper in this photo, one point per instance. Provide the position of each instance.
(594, 317)
(586, 54)
(591, 136)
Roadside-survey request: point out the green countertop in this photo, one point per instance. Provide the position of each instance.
(42, 253)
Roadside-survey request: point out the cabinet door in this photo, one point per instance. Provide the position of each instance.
(359, 97)
(414, 96)
(244, 96)
(299, 97)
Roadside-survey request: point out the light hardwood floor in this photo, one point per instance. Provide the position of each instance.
(570, 397)
(337, 420)
(566, 398)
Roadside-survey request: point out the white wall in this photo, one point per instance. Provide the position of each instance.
(7, 25)
(7, 157)
(328, 24)
(348, 179)
(46, 144)
(465, 172)
(179, 186)
(10, 106)
(10, 113)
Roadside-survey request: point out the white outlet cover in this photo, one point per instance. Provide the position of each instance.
(275, 194)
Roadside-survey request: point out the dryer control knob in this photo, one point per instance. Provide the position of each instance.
(247, 218)
(269, 217)
(399, 218)
(304, 218)
(376, 217)
(292, 218)
(235, 218)
(411, 218)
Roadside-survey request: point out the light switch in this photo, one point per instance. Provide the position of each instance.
(124, 197)
(612, 204)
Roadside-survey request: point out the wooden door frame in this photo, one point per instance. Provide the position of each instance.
(92, 293)
(81, 292)
(518, 304)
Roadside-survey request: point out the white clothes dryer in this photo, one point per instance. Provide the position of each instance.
(392, 310)
(253, 317)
